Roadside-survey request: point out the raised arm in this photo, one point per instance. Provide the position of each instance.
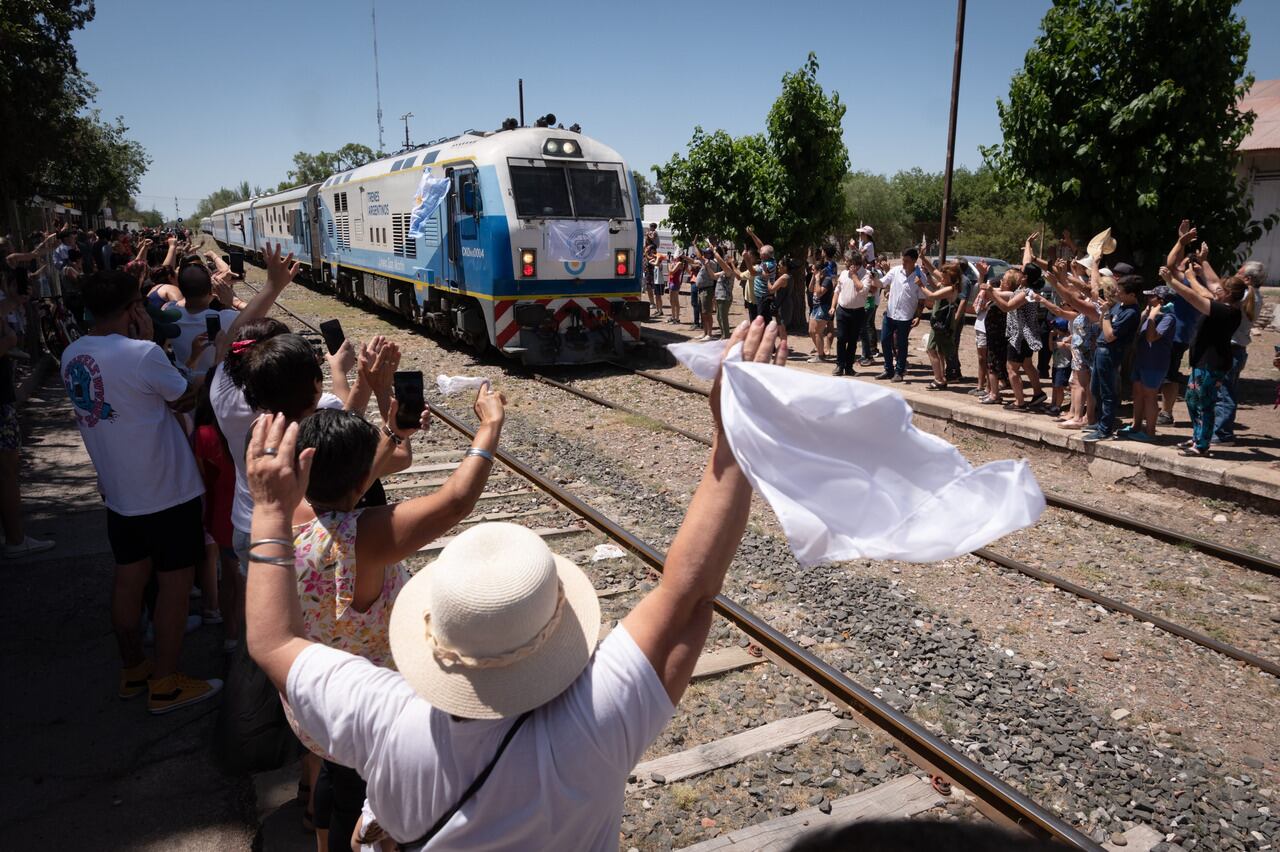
(389, 534)
(273, 612)
(670, 624)
(752, 234)
(726, 268)
(172, 253)
(1186, 234)
(340, 363)
(1194, 296)
(280, 271)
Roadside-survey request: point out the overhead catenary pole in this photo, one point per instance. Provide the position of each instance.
(520, 86)
(377, 81)
(405, 118)
(951, 132)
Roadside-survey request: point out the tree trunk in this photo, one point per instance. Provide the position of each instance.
(794, 307)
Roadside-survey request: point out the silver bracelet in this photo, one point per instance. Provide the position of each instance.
(271, 560)
(284, 542)
(476, 451)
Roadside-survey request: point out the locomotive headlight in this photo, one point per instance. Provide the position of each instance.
(622, 262)
(528, 263)
(561, 148)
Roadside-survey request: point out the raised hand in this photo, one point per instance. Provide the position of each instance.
(277, 478)
(280, 270)
(223, 290)
(1187, 236)
(1183, 227)
(762, 344)
(1031, 239)
(343, 360)
(490, 405)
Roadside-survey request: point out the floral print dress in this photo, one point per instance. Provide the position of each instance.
(325, 564)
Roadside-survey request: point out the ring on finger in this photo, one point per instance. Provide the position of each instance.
(270, 451)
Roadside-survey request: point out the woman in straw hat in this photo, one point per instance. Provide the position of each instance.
(505, 727)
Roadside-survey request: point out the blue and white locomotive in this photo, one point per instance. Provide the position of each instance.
(533, 250)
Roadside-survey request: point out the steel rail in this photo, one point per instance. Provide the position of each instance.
(1202, 639)
(1224, 552)
(994, 793)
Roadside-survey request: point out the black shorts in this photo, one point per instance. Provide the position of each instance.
(1176, 351)
(1019, 350)
(172, 538)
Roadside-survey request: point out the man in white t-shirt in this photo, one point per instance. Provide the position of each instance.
(902, 287)
(852, 288)
(196, 286)
(495, 644)
(124, 391)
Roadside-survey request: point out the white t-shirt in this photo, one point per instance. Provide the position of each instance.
(868, 249)
(559, 784)
(235, 419)
(120, 389)
(904, 293)
(849, 295)
(190, 326)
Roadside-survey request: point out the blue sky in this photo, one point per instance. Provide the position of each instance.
(228, 91)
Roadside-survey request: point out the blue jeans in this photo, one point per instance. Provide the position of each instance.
(869, 332)
(894, 335)
(697, 306)
(1103, 384)
(1225, 407)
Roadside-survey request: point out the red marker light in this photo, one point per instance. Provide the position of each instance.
(622, 269)
(528, 270)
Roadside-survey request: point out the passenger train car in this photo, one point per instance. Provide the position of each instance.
(489, 266)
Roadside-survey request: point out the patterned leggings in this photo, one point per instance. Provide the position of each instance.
(1202, 397)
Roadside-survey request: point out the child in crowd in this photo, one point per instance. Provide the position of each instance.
(1060, 342)
(221, 571)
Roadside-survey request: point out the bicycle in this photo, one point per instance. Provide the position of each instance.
(58, 326)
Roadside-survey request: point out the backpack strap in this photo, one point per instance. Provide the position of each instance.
(470, 791)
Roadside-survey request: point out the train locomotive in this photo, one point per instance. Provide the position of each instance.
(533, 249)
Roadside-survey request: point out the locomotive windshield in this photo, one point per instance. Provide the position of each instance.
(556, 192)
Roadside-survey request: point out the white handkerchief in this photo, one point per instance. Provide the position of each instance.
(450, 385)
(847, 474)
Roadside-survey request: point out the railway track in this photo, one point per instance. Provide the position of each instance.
(946, 765)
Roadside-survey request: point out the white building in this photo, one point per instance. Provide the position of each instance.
(1260, 168)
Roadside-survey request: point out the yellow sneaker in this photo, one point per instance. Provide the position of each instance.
(178, 690)
(133, 682)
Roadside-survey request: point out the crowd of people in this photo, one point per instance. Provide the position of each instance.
(1062, 337)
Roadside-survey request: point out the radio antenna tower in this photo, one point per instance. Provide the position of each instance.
(377, 82)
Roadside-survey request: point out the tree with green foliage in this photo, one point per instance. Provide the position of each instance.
(1125, 115)
(313, 168)
(784, 182)
(646, 189)
(873, 200)
(221, 198)
(98, 166)
(42, 91)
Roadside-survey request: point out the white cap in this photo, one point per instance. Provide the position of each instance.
(868, 230)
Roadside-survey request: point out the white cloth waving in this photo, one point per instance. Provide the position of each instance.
(847, 474)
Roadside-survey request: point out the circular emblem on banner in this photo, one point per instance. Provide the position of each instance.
(575, 267)
(582, 244)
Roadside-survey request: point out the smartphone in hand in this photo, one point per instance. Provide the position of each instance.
(213, 325)
(407, 385)
(236, 261)
(333, 335)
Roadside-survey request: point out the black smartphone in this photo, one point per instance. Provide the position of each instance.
(408, 389)
(213, 325)
(236, 262)
(333, 336)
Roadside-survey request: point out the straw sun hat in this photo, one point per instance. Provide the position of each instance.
(497, 625)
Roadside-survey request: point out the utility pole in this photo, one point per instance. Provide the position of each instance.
(520, 86)
(951, 133)
(176, 213)
(405, 118)
(377, 82)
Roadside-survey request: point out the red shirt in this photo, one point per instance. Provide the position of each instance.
(219, 482)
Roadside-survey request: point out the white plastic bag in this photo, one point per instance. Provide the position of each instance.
(607, 551)
(449, 385)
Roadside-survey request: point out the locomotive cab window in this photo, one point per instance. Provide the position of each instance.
(540, 193)
(596, 194)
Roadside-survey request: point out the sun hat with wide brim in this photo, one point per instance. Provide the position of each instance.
(497, 625)
(1102, 244)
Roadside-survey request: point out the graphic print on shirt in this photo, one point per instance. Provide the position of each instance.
(83, 380)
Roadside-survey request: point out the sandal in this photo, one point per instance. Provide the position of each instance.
(935, 385)
(1188, 444)
(990, 400)
(1013, 406)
